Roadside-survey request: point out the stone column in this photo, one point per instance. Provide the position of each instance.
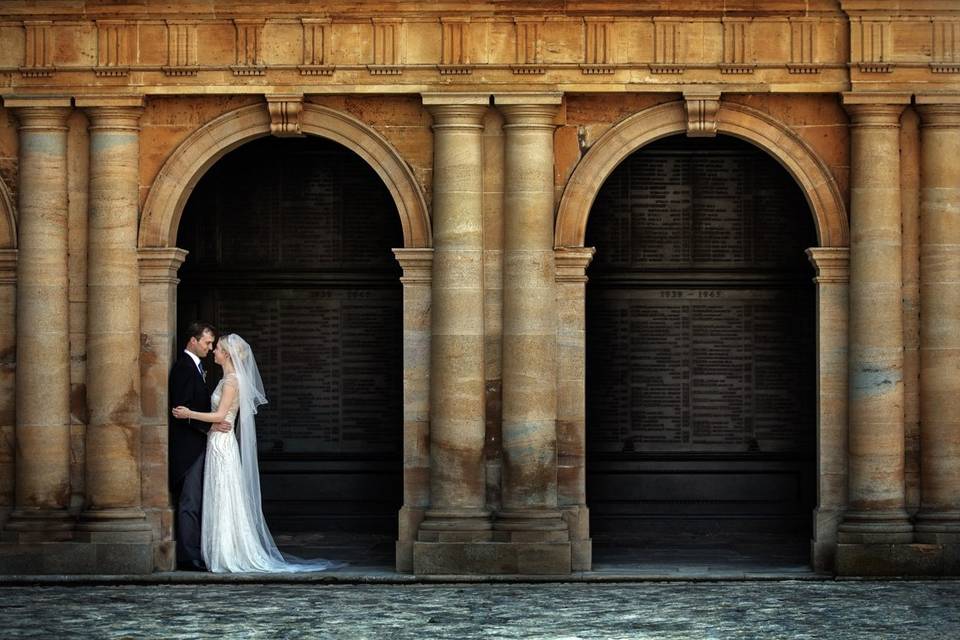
(939, 517)
(572, 263)
(416, 264)
(457, 488)
(876, 512)
(113, 484)
(158, 329)
(8, 364)
(43, 349)
(529, 491)
(833, 276)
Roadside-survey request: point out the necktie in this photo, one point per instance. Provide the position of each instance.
(203, 372)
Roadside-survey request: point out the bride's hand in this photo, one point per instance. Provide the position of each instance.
(181, 413)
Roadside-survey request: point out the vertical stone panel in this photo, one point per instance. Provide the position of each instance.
(571, 401)
(158, 326)
(876, 511)
(939, 517)
(416, 279)
(833, 299)
(910, 207)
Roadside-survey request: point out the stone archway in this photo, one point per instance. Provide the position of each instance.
(179, 175)
(830, 260)
(160, 259)
(774, 137)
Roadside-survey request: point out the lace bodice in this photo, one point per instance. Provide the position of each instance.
(231, 380)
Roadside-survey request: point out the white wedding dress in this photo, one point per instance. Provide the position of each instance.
(234, 537)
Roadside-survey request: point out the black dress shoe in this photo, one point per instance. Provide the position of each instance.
(191, 566)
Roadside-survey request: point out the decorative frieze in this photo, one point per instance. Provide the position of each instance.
(946, 46)
(803, 46)
(599, 46)
(316, 47)
(37, 50)
(248, 48)
(113, 48)
(455, 43)
(666, 47)
(737, 47)
(386, 47)
(529, 46)
(181, 48)
(870, 45)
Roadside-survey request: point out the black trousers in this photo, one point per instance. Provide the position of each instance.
(189, 509)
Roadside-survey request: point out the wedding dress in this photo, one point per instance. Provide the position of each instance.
(234, 537)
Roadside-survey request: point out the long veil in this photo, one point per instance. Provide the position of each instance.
(252, 395)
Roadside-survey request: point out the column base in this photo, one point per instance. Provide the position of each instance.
(875, 527)
(46, 558)
(27, 526)
(892, 560)
(531, 525)
(937, 527)
(114, 526)
(455, 525)
(491, 558)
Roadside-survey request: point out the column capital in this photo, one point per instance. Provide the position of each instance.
(40, 113)
(572, 263)
(935, 113)
(832, 263)
(456, 115)
(529, 116)
(417, 265)
(160, 264)
(8, 266)
(874, 115)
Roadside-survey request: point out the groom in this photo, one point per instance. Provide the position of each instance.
(188, 443)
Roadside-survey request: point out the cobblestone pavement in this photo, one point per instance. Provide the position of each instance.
(782, 609)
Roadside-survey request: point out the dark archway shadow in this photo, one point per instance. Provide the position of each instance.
(290, 246)
(701, 371)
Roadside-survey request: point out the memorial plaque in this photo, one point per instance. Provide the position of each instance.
(700, 336)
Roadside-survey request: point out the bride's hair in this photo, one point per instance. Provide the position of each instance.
(237, 347)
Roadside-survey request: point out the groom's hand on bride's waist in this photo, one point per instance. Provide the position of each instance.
(222, 427)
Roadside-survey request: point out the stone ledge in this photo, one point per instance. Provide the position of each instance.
(893, 560)
(519, 558)
(47, 558)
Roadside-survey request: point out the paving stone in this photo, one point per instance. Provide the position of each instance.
(838, 610)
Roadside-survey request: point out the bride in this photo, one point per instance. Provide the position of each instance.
(234, 537)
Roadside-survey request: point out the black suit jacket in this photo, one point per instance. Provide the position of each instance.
(188, 438)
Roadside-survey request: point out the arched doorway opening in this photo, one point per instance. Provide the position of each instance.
(700, 350)
(290, 243)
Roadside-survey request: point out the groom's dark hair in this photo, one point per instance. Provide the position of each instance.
(197, 328)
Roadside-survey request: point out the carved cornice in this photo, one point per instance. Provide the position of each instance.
(832, 264)
(417, 265)
(572, 263)
(549, 47)
(160, 265)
